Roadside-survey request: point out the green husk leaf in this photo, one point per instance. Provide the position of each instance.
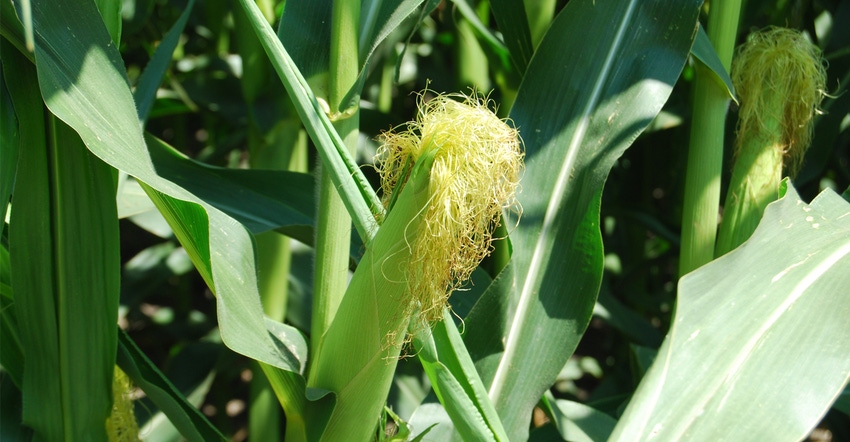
(375, 310)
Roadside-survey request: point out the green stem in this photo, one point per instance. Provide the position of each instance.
(705, 154)
(333, 231)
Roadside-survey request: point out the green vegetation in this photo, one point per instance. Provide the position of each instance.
(420, 220)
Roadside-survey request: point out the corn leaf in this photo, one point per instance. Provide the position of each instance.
(581, 104)
(756, 349)
(191, 423)
(151, 78)
(64, 250)
(110, 11)
(513, 23)
(704, 51)
(361, 347)
(261, 200)
(578, 422)
(11, 352)
(305, 34)
(9, 137)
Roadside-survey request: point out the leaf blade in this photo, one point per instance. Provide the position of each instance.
(741, 353)
(576, 118)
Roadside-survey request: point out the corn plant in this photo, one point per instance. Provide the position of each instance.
(447, 292)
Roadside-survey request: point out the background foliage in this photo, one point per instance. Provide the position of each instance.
(220, 103)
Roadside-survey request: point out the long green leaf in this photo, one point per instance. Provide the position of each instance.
(261, 200)
(581, 104)
(65, 254)
(256, 198)
(756, 350)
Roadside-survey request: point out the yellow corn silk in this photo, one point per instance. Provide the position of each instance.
(779, 77)
(477, 162)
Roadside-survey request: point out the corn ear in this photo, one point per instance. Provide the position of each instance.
(447, 176)
(360, 349)
(780, 79)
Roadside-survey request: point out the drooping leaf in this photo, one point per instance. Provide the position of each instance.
(704, 51)
(756, 349)
(84, 83)
(582, 102)
(261, 200)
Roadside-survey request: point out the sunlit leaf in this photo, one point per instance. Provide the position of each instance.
(581, 104)
(759, 341)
